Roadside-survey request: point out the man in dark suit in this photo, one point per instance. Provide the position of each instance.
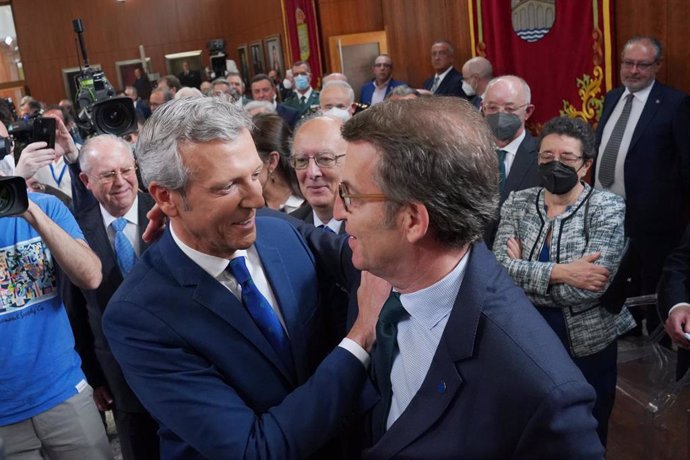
(644, 156)
(304, 97)
(142, 83)
(262, 89)
(506, 108)
(673, 300)
(447, 81)
(465, 365)
(189, 77)
(225, 354)
(376, 90)
(108, 171)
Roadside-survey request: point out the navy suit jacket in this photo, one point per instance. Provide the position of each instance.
(450, 86)
(288, 114)
(524, 173)
(500, 385)
(657, 171)
(367, 91)
(91, 223)
(199, 364)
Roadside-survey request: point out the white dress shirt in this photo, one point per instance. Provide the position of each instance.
(440, 77)
(131, 230)
(420, 334)
(639, 100)
(511, 151)
(334, 224)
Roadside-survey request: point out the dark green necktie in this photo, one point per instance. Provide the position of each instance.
(501, 168)
(386, 347)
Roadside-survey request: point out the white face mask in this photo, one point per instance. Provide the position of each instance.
(467, 88)
(287, 84)
(340, 114)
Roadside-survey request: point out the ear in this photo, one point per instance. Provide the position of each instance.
(529, 110)
(415, 221)
(85, 180)
(167, 200)
(273, 159)
(585, 167)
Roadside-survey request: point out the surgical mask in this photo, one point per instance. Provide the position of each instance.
(557, 177)
(301, 82)
(337, 112)
(467, 88)
(287, 84)
(504, 125)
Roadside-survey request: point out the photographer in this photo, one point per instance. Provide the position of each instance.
(49, 408)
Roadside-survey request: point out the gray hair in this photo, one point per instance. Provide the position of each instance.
(438, 151)
(343, 85)
(92, 147)
(526, 92)
(402, 90)
(187, 91)
(193, 120)
(257, 107)
(652, 41)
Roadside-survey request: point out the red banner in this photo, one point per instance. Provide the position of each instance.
(562, 49)
(303, 35)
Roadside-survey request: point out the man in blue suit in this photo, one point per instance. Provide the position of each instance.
(218, 327)
(447, 81)
(376, 90)
(263, 89)
(465, 365)
(644, 156)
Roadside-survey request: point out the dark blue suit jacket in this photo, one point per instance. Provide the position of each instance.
(657, 173)
(199, 364)
(450, 86)
(500, 385)
(367, 91)
(288, 114)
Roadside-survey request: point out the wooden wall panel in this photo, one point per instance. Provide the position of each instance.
(114, 31)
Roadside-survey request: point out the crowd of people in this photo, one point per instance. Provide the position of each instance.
(283, 271)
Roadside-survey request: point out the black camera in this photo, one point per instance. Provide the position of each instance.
(33, 129)
(100, 110)
(13, 197)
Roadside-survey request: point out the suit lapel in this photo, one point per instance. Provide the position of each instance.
(521, 166)
(444, 380)
(212, 295)
(654, 101)
(91, 222)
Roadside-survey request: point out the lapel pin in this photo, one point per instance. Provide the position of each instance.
(658, 101)
(441, 387)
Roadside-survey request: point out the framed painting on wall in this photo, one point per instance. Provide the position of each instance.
(173, 62)
(244, 63)
(274, 55)
(354, 55)
(256, 52)
(125, 71)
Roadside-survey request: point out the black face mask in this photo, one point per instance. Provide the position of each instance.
(558, 178)
(504, 125)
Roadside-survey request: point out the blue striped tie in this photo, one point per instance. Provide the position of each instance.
(261, 311)
(126, 257)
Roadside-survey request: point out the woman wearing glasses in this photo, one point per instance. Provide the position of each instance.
(562, 244)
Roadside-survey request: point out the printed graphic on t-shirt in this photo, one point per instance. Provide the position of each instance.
(27, 275)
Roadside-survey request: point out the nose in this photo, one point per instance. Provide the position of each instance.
(253, 197)
(339, 211)
(313, 169)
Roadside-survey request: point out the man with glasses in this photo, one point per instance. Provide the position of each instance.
(644, 156)
(465, 366)
(380, 86)
(113, 226)
(506, 107)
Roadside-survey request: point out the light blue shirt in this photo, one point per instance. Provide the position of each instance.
(419, 335)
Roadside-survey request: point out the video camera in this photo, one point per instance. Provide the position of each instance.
(13, 196)
(100, 110)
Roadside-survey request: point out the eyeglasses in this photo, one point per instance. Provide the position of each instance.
(626, 64)
(565, 157)
(109, 176)
(383, 64)
(347, 197)
(322, 160)
(493, 108)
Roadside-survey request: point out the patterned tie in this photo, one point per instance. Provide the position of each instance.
(434, 87)
(386, 347)
(261, 312)
(123, 247)
(501, 168)
(607, 167)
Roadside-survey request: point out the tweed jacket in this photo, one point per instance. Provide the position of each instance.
(593, 224)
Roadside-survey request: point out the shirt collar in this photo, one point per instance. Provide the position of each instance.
(333, 224)
(443, 75)
(641, 95)
(384, 84)
(132, 215)
(306, 94)
(214, 266)
(431, 304)
(515, 143)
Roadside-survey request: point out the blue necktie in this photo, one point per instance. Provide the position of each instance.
(261, 311)
(126, 257)
(326, 228)
(382, 359)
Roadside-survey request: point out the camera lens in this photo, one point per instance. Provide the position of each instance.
(115, 116)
